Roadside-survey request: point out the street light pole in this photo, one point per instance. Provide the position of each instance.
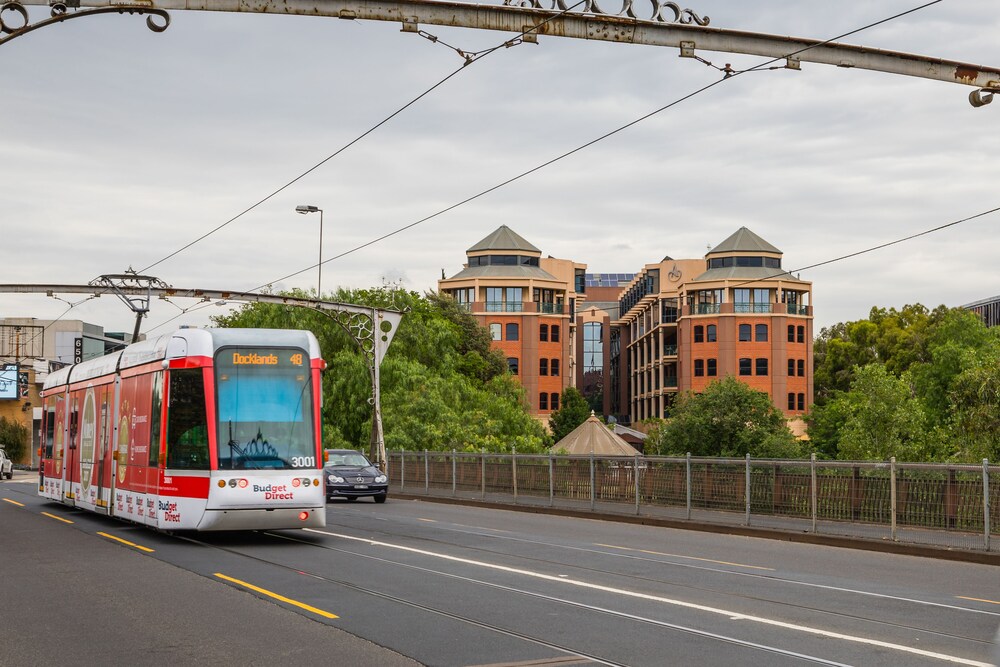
(304, 209)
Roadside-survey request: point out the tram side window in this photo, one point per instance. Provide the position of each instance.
(154, 420)
(187, 423)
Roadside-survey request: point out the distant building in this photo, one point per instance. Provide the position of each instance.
(685, 323)
(527, 302)
(987, 309)
(29, 349)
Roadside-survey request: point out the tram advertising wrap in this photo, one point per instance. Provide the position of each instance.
(200, 429)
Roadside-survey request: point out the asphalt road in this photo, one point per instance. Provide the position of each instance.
(458, 586)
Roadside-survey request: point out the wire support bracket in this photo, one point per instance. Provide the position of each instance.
(59, 12)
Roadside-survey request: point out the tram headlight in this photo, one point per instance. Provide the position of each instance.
(381, 479)
(335, 479)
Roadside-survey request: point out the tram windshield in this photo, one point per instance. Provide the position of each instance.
(265, 409)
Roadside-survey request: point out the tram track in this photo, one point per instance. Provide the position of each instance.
(510, 589)
(716, 591)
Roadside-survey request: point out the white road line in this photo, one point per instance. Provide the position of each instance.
(736, 616)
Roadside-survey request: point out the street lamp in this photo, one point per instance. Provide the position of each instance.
(303, 209)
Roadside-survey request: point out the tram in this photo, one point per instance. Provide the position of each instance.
(198, 429)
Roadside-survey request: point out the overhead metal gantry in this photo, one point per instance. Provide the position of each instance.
(651, 22)
(371, 328)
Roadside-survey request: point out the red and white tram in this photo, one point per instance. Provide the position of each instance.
(199, 429)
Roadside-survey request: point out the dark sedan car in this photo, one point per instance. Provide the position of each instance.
(350, 475)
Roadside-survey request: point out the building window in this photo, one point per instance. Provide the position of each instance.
(745, 366)
(593, 347)
(543, 401)
(791, 401)
(711, 368)
(801, 331)
(512, 331)
(761, 365)
(512, 365)
(802, 367)
(699, 334)
(543, 333)
(494, 300)
(710, 333)
(760, 333)
(699, 367)
(802, 401)
(791, 368)
(495, 329)
(543, 366)
(554, 367)
(555, 333)
(744, 332)
(791, 333)
(554, 401)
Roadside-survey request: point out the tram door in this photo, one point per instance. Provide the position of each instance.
(71, 462)
(104, 474)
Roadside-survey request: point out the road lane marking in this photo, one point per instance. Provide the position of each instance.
(57, 518)
(126, 542)
(427, 520)
(665, 600)
(282, 598)
(962, 597)
(13, 502)
(705, 560)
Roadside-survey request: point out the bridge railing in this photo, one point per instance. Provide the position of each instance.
(954, 506)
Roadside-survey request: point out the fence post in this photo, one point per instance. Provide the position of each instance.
(892, 494)
(402, 469)
(813, 492)
(688, 486)
(635, 474)
(986, 504)
(483, 481)
(454, 473)
(746, 493)
(592, 481)
(513, 464)
(552, 483)
(427, 473)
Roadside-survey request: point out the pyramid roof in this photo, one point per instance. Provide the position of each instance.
(593, 437)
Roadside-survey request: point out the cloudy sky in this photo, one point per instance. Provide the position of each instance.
(119, 146)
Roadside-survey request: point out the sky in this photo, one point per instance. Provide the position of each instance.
(120, 146)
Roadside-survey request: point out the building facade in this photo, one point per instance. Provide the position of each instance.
(987, 309)
(527, 302)
(685, 323)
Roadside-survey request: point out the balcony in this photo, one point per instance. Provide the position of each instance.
(504, 307)
(670, 350)
(707, 308)
(670, 382)
(744, 307)
(551, 308)
(797, 310)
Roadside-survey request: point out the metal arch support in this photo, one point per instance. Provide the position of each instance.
(59, 13)
(371, 328)
(668, 25)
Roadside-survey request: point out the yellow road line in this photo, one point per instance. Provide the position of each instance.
(704, 560)
(57, 518)
(13, 502)
(282, 598)
(962, 597)
(131, 544)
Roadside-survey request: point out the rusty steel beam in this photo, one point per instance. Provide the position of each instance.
(594, 25)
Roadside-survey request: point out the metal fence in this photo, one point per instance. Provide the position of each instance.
(955, 506)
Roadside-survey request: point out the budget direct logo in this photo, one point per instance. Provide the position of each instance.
(274, 491)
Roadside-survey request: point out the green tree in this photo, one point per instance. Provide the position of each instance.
(727, 419)
(883, 418)
(14, 438)
(573, 411)
(975, 424)
(443, 387)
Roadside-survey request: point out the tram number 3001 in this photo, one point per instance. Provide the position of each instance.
(303, 461)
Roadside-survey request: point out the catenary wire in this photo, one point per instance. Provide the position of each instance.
(469, 59)
(728, 76)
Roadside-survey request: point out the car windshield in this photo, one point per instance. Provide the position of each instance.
(346, 459)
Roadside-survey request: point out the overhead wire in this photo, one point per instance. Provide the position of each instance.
(469, 58)
(729, 74)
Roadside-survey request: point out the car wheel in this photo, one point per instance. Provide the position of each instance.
(380, 498)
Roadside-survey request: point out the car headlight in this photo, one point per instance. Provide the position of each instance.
(381, 479)
(335, 479)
